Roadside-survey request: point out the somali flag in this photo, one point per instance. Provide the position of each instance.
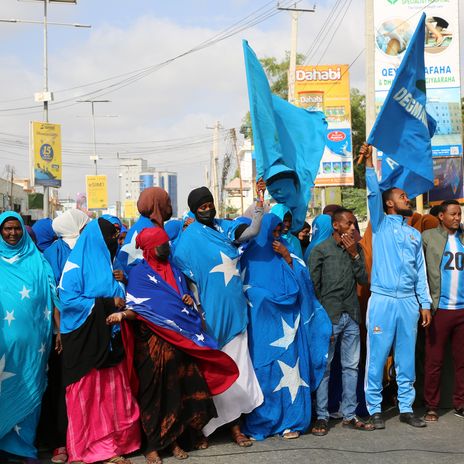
(129, 255)
(403, 129)
(161, 308)
(289, 142)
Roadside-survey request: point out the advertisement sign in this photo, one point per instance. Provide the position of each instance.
(45, 154)
(130, 209)
(326, 88)
(97, 192)
(448, 182)
(394, 24)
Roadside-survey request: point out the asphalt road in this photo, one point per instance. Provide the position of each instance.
(442, 443)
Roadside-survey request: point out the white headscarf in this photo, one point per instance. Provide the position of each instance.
(68, 226)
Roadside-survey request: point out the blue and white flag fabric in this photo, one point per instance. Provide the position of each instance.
(289, 142)
(288, 341)
(87, 275)
(403, 129)
(26, 312)
(129, 255)
(208, 257)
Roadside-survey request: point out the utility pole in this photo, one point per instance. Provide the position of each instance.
(214, 163)
(46, 95)
(92, 103)
(293, 47)
(233, 136)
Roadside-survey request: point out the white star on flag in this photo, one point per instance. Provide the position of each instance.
(200, 337)
(68, 266)
(11, 260)
(42, 348)
(291, 379)
(3, 374)
(173, 324)
(132, 299)
(298, 259)
(228, 268)
(185, 310)
(9, 317)
(47, 313)
(25, 292)
(153, 279)
(289, 334)
(133, 253)
(17, 428)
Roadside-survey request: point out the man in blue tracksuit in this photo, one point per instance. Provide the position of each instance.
(399, 294)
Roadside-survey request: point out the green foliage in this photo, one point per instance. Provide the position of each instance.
(355, 199)
(358, 125)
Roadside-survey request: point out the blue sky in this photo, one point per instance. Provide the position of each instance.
(179, 100)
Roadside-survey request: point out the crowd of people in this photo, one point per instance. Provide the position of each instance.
(152, 338)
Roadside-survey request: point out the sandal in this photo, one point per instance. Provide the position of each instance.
(117, 460)
(154, 459)
(178, 452)
(321, 428)
(431, 416)
(201, 444)
(242, 440)
(357, 424)
(290, 435)
(60, 455)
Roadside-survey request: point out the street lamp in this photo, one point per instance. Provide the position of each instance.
(92, 102)
(46, 96)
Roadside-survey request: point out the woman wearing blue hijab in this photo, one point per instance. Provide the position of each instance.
(285, 215)
(321, 230)
(44, 233)
(26, 307)
(102, 412)
(288, 333)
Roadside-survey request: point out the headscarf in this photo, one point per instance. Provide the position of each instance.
(281, 210)
(68, 226)
(148, 240)
(198, 197)
(44, 233)
(88, 274)
(321, 230)
(173, 228)
(114, 220)
(154, 203)
(26, 305)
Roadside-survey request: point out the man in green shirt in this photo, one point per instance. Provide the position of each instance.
(336, 265)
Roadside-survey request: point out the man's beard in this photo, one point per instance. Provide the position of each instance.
(405, 212)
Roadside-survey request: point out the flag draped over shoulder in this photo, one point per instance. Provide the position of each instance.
(289, 142)
(161, 307)
(403, 128)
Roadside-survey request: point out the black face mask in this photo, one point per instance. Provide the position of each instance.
(112, 244)
(163, 251)
(206, 217)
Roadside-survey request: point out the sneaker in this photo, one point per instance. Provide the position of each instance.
(377, 421)
(459, 413)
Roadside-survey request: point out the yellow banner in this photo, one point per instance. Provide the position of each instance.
(46, 162)
(97, 192)
(130, 209)
(327, 88)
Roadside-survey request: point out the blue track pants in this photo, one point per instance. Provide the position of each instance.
(391, 322)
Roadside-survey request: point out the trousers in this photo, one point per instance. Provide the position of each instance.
(391, 323)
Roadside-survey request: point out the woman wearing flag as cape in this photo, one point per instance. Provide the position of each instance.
(289, 334)
(207, 252)
(102, 412)
(178, 365)
(26, 307)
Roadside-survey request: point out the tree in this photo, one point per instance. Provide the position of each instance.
(358, 126)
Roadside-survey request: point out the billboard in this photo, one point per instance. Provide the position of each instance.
(448, 182)
(130, 209)
(97, 192)
(394, 24)
(45, 154)
(327, 88)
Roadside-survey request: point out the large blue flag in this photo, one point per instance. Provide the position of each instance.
(403, 128)
(289, 142)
